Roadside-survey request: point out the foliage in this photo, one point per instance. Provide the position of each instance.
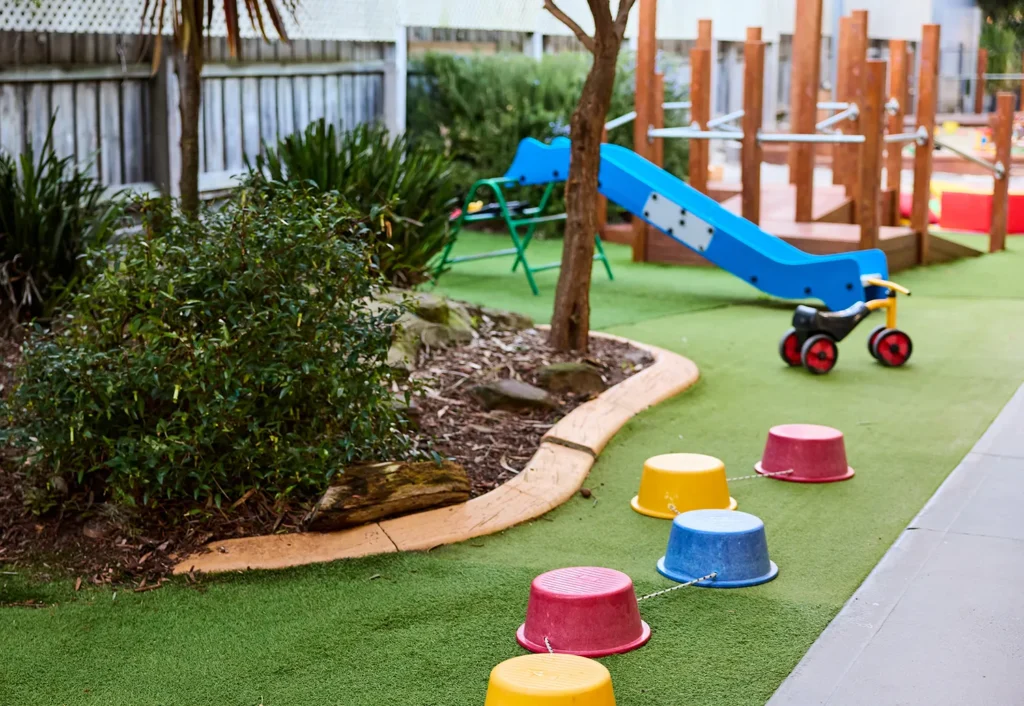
(212, 358)
(50, 213)
(478, 109)
(370, 169)
(1004, 56)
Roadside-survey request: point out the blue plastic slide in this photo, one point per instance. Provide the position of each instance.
(701, 224)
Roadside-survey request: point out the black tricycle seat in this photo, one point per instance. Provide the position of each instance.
(838, 324)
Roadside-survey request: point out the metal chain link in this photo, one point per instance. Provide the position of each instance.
(710, 576)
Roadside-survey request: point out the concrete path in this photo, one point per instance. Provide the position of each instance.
(940, 620)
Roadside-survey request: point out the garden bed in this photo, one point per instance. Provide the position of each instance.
(99, 543)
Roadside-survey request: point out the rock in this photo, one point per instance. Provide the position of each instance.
(585, 492)
(637, 356)
(94, 530)
(373, 491)
(406, 342)
(580, 378)
(512, 394)
(503, 320)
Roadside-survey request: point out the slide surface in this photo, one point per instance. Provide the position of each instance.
(701, 224)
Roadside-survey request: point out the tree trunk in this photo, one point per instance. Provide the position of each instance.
(570, 322)
(189, 85)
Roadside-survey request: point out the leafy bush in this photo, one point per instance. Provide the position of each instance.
(478, 109)
(50, 213)
(371, 169)
(217, 356)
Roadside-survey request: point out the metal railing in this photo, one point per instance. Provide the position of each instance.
(677, 105)
(693, 133)
(621, 120)
(920, 136)
(832, 105)
(814, 138)
(999, 169)
(725, 119)
(849, 113)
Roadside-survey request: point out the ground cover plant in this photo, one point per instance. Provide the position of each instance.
(426, 628)
(51, 212)
(369, 168)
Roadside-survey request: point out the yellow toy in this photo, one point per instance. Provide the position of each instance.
(675, 483)
(550, 680)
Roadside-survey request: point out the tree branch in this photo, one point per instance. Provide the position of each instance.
(585, 39)
(623, 17)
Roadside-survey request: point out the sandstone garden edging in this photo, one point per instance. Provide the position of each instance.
(556, 472)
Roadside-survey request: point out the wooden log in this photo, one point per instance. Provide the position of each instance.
(804, 100)
(700, 113)
(872, 122)
(1002, 133)
(858, 57)
(646, 54)
(927, 96)
(979, 81)
(898, 72)
(373, 491)
(753, 112)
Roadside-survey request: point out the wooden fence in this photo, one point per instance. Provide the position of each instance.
(119, 118)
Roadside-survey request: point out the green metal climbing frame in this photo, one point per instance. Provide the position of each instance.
(528, 218)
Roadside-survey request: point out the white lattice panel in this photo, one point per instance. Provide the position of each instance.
(357, 20)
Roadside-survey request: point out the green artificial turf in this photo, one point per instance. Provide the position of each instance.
(425, 629)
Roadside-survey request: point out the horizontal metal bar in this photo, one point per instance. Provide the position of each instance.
(540, 219)
(268, 70)
(851, 112)
(112, 72)
(692, 134)
(832, 105)
(997, 168)
(920, 136)
(549, 266)
(676, 105)
(824, 139)
(727, 118)
(996, 77)
(484, 255)
(621, 120)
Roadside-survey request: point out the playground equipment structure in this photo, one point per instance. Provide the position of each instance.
(864, 132)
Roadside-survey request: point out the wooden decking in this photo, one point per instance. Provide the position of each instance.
(900, 244)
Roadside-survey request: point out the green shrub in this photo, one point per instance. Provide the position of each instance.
(216, 356)
(370, 169)
(50, 213)
(478, 109)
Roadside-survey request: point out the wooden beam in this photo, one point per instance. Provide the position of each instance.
(841, 153)
(658, 119)
(927, 95)
(753, 35)
(804, 100)
(644, 105)
(1002, 133)
(872, 123)
(858, 57)
(898, 74)
(703, 34)
(700, 113)
(753, 112)
(979, 81)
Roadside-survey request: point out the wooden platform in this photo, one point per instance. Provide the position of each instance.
(899, 243)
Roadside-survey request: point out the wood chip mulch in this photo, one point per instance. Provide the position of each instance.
(90, 542)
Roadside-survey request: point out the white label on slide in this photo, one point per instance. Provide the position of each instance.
(679, 223)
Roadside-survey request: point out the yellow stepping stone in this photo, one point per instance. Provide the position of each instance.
(550, 680)
(675, 483)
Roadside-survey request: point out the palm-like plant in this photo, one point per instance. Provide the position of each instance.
(190, 22)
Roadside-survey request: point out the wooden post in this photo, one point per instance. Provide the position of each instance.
(804, 100)
(841, 153)
(979, 81)
(855, 86)
(700, 113)
(1022, 84)
(1002, 133)
(872, 123)
(753, 35)
(643, 105)
(658, 119)
(753, 104)
(703, 34)
(927, 93)
(602, 202)
(898, 70)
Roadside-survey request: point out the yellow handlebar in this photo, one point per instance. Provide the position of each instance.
(875, 282)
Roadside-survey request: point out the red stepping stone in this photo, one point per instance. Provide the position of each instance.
(810, 452)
